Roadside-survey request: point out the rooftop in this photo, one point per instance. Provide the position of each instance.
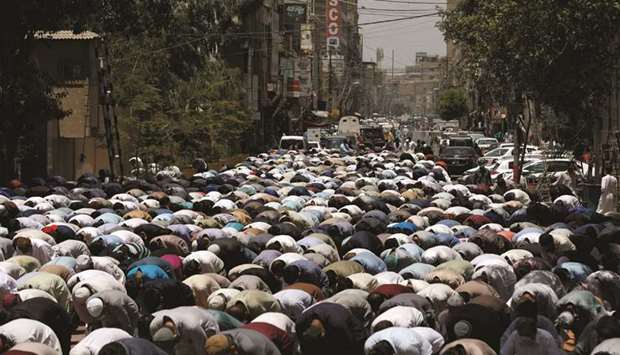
(66, 35)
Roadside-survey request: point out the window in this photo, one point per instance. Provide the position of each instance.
(536, 168)
(69, 70)
(556, 166)
(496, 153)
(292, 144)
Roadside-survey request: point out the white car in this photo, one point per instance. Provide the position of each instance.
(534, 171)
(506, 153)
(486, 144)
(501, 167)
(496, 154)
(292, 143)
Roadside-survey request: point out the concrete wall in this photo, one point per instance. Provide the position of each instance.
(75, 144)
(452, 51)
(605, 129)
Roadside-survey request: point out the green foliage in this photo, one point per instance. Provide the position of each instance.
(557, 52)
(399, 109)
(453, 104)
(26, 98)
(166, 118)
(176, 100)
(161, 51)
(209, 110)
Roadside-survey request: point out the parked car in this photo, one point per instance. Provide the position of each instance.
(496, 154)
(486, 144)
(460, 141)
(459, 159)
(511, 145)
(534, 172)
(501, 168)
(292, 143)
(506, 153)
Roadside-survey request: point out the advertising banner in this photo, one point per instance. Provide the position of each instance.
(306, 38)
(333, 21)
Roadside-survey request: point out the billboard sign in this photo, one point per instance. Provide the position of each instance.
(337, 65)
(333, 21)
(306, 38)
(303, 72)
(294, 14)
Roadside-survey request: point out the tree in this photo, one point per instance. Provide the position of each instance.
(209, 108)
(157, 45)
(555, 52)
(453, 104)
(176, 99)
(140, 86)
(527, 54)
(202, 116)
(26, 98)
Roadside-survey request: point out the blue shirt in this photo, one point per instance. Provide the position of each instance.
(149, 272)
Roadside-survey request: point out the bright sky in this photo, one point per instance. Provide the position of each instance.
(405, 37)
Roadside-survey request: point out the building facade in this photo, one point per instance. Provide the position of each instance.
(417, 88)
(452, 51)
(369, 95)
(606, 137)
(338, 42)
(77, 143)
(303, 56)
(257, 56)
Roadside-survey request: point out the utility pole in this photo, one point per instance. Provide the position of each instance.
(313, 55)
(393, 65)
(317, 62)
(331, 79)
(110, 118)
(393, 84)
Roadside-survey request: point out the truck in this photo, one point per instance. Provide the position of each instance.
(373, 137)
(312, 138)
(292, 143)
(349, 126)
(333, 142)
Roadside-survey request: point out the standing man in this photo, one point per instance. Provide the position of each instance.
(568, 179)
(608, 200)
(483, 176)
(435, 146)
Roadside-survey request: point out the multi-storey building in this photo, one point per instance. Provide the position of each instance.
(257, 54)
(418, 86)
(77, 143)
(337, 40)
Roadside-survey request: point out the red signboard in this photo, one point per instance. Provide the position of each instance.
(333, 17)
